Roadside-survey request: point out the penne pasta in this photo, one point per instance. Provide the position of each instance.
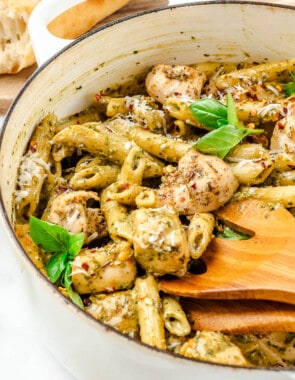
(133, 167)
(200, 233)
(250, 163)
(124, 192)
(271, 71)
(150, 312)
(117, 218)
(175, 319)
(159, 146)
(283, 195)
(34, 168)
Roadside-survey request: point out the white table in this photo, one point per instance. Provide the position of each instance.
(22, 355)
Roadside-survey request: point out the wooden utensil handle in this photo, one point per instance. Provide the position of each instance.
(240, 317)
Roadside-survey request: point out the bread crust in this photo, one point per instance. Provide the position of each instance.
(17, 52)
(81, 18)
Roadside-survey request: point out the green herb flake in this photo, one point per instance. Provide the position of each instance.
(289, 88)
(230, 234)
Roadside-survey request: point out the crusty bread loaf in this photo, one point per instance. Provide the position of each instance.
(16, 49)
(81, 18)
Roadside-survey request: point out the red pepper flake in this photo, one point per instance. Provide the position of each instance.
(194, 185)
(280, 125)
(85, 266)
(125, 185)
(182, 199)
(131, 107)
(98, 97)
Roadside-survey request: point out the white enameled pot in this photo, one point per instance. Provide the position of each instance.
(65, 83)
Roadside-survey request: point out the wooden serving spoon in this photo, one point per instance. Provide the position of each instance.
(260, 268)
(240, 316)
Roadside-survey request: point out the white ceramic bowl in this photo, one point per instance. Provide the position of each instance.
(224, 31)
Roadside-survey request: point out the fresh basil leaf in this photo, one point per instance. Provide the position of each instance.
(67, 283)
(56, 239)
(75, 244)
(220, 141)
(75, 297)
(49, 236)
(209, 112)
(221, 123)
(289, 88)
(230, 234)
(56, 265)
(232, 116)
(67, 279)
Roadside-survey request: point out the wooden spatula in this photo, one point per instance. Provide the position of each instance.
(262, 267)
(240, 316)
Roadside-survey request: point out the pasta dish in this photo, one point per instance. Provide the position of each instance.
(113, 199)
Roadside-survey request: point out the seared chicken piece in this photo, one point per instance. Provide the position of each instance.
(201, 183)
(105, 269)
(70, 211)
(213, 347)
(160, 245)
(283, 137)
(165, 81)
(117, 310)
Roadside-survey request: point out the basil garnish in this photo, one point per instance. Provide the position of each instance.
(64, 247)
(227, 130)
(289, 88)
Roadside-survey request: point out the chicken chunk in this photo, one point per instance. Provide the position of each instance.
(70, 211)
(213, 347)
(159, 240)
(117, 310)
(104, 269)
(201, 183)
(283, 137)
(165, 81)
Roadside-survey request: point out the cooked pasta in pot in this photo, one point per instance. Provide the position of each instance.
(128, 195)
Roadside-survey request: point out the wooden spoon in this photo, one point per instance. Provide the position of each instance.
(240, 316)
(262, 267)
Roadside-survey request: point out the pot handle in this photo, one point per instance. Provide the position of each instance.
(43, 42)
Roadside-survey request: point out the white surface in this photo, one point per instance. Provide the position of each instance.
(22, 355)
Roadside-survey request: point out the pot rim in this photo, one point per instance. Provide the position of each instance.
(5, 218)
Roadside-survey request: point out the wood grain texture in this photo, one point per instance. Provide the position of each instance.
(240, 317)
(261, 267)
